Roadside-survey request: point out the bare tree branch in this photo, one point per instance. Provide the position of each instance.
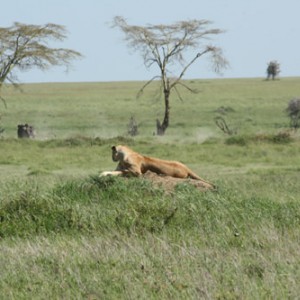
(165, 46)
(178, 94)
(145, 85)
(193, 91)
(4, 102)
(187, 66)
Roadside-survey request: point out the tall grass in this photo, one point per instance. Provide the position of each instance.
(66, 233)
(118, 238)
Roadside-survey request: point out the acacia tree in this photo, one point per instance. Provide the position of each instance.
(23, 47)
(164, 46)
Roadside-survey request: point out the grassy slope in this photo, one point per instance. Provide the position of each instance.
(65, 233)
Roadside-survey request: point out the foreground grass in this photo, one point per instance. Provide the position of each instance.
(116, 238)
(75, 235)
(66, 233)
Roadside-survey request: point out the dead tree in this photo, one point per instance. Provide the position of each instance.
(164, 46)
(222, 124)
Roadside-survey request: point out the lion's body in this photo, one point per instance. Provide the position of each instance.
(133, 163)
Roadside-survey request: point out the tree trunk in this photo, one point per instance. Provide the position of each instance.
(162, 127)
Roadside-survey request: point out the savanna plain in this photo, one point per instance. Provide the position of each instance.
(66, 233)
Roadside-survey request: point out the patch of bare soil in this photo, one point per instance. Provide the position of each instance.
(168, 183)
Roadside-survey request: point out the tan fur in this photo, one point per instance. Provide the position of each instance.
(133, 163)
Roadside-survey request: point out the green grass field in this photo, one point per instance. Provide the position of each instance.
(65, 233)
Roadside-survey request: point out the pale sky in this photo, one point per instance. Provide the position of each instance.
(257, 32)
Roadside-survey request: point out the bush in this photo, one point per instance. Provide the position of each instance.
(236, 140)
(273, 69)
(293, 111)
(282, 137)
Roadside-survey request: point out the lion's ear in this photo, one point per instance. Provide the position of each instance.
(113, 148)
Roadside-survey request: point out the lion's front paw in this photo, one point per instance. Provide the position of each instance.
(105, 173)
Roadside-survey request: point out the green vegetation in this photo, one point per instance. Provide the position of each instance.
(66, 233)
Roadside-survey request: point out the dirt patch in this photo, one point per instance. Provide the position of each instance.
(169, 183)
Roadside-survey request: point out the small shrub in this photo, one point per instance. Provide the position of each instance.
(293, 111)
(282, 137)
(236, 140)
(273, 69)
(132, 127)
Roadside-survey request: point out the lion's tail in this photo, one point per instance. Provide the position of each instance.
(195, 176)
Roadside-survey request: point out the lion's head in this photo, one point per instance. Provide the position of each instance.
(116, 154)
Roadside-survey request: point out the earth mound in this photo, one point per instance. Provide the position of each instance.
(168, 183)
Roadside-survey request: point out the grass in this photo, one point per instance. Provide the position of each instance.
(66, 233)
(113, 238)
(63, 110)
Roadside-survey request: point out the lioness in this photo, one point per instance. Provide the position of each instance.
(133, 163)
